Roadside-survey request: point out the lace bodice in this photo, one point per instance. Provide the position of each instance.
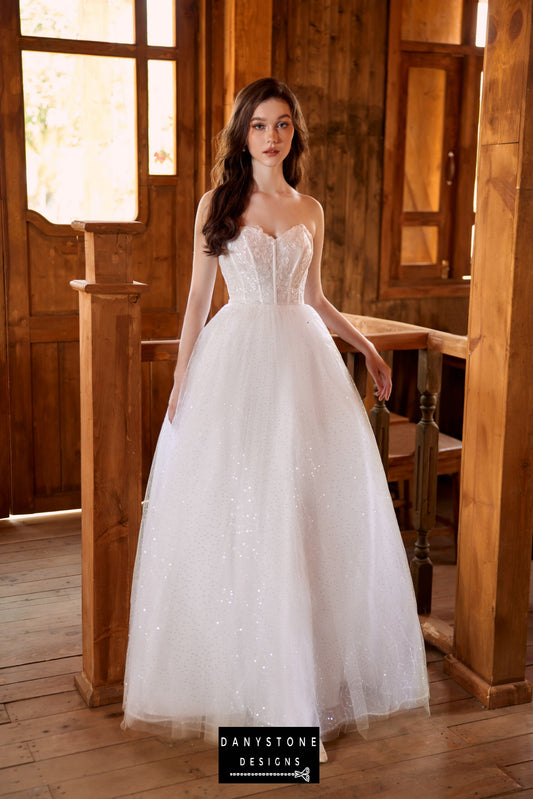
(259, 268)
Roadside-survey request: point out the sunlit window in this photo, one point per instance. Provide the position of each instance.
(481, 23)
(161, 22)
(98, 20)
(80, 136)
(161, 117)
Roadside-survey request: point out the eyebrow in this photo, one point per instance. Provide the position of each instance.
(262, 119)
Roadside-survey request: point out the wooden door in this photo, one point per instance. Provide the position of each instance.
(39, 351)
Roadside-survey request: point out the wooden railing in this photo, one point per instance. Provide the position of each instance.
(389, 336)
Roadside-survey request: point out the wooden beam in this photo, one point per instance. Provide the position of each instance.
(495, 526)
(110, 353)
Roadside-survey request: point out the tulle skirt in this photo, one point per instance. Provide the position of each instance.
(271, 585)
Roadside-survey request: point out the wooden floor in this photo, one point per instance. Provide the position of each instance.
(51, 745)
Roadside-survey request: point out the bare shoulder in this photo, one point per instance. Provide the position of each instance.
(313, 210)
(204, 205)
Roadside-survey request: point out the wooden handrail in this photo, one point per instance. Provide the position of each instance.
(385, 334)
(401, 333)
(448, 344)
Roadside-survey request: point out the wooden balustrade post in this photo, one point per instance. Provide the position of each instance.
(379, 419)
(110, 354)
(425, 475)
(495, 523)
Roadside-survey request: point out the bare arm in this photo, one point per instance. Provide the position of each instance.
(335, 321)
(204, 270)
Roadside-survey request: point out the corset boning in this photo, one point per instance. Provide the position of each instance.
(259, 268)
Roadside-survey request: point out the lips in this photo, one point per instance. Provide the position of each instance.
(271, 151)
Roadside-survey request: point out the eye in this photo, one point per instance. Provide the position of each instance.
(258, 126)
(283, 125)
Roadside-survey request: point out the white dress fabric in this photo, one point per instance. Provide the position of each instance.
(271, 585)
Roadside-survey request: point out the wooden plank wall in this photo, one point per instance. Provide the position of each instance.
(334, 57)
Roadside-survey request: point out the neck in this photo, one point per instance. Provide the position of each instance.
(269, 180)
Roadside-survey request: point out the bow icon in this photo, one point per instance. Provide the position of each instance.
(304, 774)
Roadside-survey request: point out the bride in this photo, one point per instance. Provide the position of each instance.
(271, 586)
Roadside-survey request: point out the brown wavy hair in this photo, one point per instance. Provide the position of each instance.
(232, 173)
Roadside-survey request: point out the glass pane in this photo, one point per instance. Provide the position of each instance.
(161, 22)
(432, 20)
(96, 20)
(162, 117)
(481, 22)
(426, 99)
(81, 149)
(419, 245)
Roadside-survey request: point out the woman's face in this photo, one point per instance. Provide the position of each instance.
(270, 133)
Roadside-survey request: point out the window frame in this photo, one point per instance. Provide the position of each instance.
(141, 52)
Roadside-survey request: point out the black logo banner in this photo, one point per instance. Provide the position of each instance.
(268, 754)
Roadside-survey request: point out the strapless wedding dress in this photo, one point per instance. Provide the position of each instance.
(271, 584)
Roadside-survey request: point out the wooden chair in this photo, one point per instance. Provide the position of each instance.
(402, 435)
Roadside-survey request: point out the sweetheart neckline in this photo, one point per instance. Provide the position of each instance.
(279, 235)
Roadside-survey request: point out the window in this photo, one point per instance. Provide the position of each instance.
(432, 115)
(92, 20)
(91, 92)
(161, 117)
(81, 149)
(161, 22)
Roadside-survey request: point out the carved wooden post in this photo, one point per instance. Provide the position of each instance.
(379, 419)
(425, 476)
(110, 352)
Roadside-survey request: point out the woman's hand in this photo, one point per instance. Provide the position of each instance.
(380, 372)
(173, 400)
